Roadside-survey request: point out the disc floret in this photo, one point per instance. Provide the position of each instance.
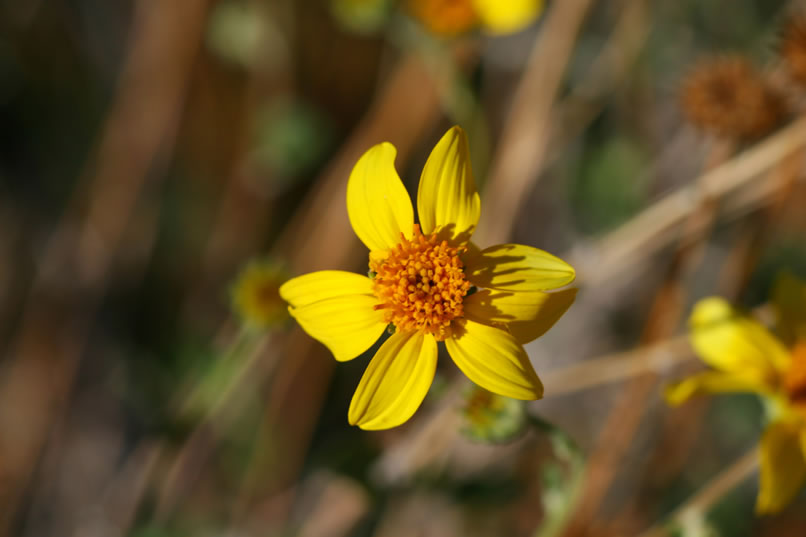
(795, 378)
(421, 284)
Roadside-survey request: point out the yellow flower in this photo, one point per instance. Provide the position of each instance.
(421, 281)
(746, 357)
(452, 17)
(255, 295)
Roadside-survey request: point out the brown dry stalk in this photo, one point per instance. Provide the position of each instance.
(138, 135)
(655, 358)
(522, 145)
(238, 224)
(745, 254)
(575, 112)
(663, 318)
(655, 227)
(680, 429)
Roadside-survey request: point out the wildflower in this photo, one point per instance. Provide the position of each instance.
(430, 284)
(453, 17)
(746, 357)
(490, 417)
(793, 48)
(728, 97)
(255, 295)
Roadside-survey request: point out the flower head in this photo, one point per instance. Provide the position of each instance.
(728, 97)
(454, 17)
(255, 295)
(746, 357)
(431, 284)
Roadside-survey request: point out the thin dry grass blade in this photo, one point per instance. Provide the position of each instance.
(525, 137)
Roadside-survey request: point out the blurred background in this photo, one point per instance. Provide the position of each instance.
(165, 165)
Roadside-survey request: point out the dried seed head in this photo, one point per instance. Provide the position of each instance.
(728, 97)
(793, 48)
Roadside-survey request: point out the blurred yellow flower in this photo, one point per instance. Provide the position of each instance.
(255, 295)
(422, 282)
(746, 357)
(452, 17)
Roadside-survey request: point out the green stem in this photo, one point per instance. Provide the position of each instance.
(557, 504)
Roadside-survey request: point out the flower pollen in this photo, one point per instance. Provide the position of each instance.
(421, 284)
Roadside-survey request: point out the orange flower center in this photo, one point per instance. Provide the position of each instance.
(421, 284)
(795, 379)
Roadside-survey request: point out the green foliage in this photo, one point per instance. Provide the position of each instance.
(733, 515)
(291, 137)
(738, 418)
(609, 188)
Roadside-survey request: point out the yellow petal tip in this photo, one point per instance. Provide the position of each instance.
(457, 130)
(709, 310)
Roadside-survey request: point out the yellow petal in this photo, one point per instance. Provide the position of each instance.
(712, 382)
(731, 342)
(506, 17)
(515, 267)
(447, 197)
(528, 315)
(783, 467)
(494, 360)
(554, 307)
(395, 382)
(324, 284)
(377, 202)
(347, 325)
